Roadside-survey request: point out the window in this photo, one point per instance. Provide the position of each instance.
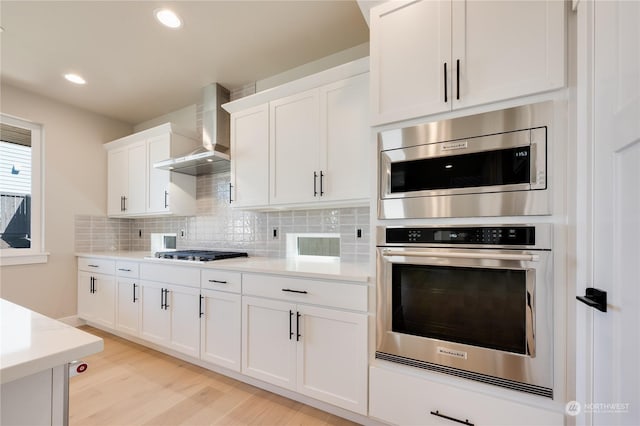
(21, 195)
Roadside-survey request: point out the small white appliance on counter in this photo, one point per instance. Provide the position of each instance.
(163, 242)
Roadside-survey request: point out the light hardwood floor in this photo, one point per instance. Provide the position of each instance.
(129, 384)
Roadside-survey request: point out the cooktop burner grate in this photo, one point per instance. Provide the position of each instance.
(198, 255)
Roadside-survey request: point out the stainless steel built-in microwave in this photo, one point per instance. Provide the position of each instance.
(492, 164)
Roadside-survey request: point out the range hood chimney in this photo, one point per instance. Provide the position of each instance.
(213, 156)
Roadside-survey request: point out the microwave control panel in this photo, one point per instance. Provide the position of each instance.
(485, 235)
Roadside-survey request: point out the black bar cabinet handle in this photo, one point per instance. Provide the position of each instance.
(298, 315)
(595, 298)
(134, 292)
(122, 203)
(321, 179)
(315, 179)
(162, 298)
(166, 202)
(230, 192)
(453, 419)
(166, 299)
(200, 313)
(92, 266)
(290, 325)
(458, 79)
(445, 82)
(91, 285)
(295, 291)
(218, 281)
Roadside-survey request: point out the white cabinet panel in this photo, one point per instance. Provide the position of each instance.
(155, 322)
(183, 306)
(250, 157)
(158, 150)
(220, 329)
(118, 181)
(128, 305)
(96, 298)
(134, 203)
(269, 342)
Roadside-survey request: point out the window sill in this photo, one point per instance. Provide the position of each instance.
(9, 259)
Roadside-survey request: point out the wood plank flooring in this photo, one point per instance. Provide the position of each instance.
(129, 384)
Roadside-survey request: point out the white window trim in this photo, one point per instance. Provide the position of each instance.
(36, 253)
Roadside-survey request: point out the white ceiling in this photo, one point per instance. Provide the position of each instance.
(137, 69)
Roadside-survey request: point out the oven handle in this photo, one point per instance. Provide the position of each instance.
(490, 256)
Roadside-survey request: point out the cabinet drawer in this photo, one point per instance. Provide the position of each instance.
(127, 269)
(171, 274)
(90, 264)
(419, 397)
(334, 294)
(221, 280)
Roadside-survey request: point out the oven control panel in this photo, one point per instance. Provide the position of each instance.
(481, 235)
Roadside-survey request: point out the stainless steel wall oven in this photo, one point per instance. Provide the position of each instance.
(471, 301)
(492, 164)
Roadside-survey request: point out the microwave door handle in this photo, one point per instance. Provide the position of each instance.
(491, 256)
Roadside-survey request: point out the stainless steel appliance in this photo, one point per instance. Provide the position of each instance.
(198, 255)
(492, 164)
(471, 301)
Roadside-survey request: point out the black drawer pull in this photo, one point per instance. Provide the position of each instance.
(453, 419)
(218, 282)
(295, 291)
(93, 266)
(124, 270)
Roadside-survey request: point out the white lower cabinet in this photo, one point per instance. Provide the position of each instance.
(128, 302)
(399, 398)
(316, 351)
(220, 328)
(96, 292)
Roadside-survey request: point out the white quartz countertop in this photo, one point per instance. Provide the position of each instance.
(333, 270)
(31, 342)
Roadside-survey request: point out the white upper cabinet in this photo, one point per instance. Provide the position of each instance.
(250, 157)
(431, 56)
(136, 188)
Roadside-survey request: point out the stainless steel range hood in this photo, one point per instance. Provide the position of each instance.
(213, 156)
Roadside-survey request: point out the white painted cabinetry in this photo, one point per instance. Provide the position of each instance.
(128, 301)
(432, 56)
(250, 157)
(170, 307)
(403, 399)
(96, 291)
(318, 144)
(320, 352)
(220, 314)
(136, 188)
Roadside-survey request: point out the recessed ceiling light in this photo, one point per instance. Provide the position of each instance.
(75, 78)
(168, 18)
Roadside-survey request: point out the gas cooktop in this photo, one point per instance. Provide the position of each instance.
(198, 255)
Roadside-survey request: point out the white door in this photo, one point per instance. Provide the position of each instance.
(159, 148)
(137, 179)
(294, 150)
(345, 139)
(86, 304)
(410, 45)
(332, 357)
(155, 319)
(184, 306)
(250, 153)
(104, 295)
(127, 305)
(118, 180)
(505, 49)
(614, 380)
(220, 328)
(269, 341)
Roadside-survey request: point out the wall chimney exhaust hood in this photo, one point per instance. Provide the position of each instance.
(213, 156)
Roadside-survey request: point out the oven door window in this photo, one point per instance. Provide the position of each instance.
(474, 306)
(487, 168)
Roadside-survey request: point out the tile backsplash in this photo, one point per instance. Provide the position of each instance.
(218, 226)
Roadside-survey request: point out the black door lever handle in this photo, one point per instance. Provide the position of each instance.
(594, 298)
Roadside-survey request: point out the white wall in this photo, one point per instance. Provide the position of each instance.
(75, 182)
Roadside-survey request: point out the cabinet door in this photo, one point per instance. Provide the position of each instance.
(410, 45)
(506, 49)
(158, 150)
(105, 300)
(220, 328)
(86, 308)
(250, 157)
(269, 341)
(184, 335)
(127, 305)
(155, 319)
(332, 357)
(118, 181)
(294, 149)
(137, 179)
(345, 138)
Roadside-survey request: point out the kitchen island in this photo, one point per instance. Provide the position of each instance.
(34, 353)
